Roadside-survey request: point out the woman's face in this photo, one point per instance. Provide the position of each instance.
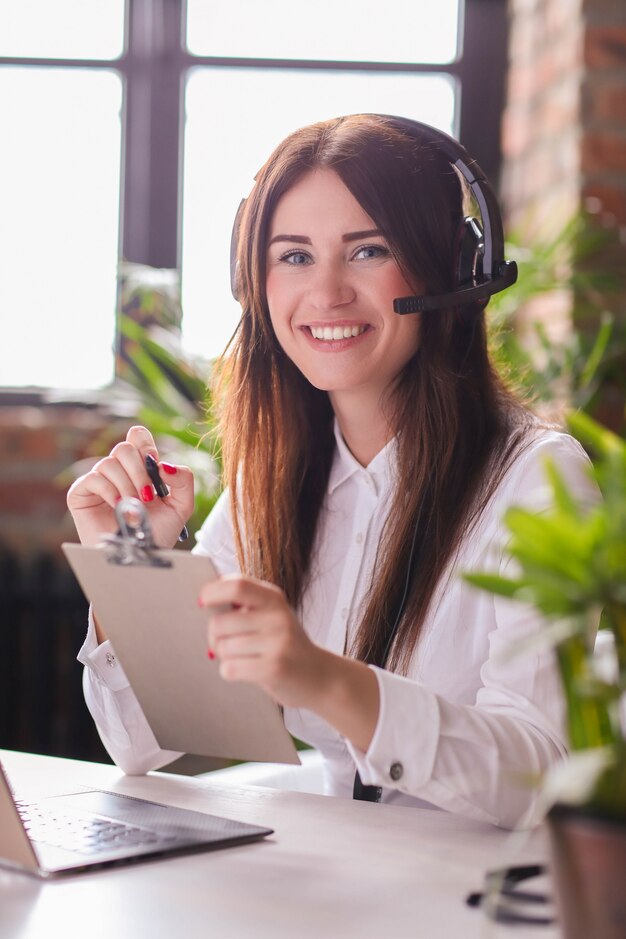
(331, 283)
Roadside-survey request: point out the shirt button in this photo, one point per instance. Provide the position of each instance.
(395, 771)
(110, 658)
(359, 538)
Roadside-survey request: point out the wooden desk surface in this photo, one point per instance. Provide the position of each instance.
(334, 869)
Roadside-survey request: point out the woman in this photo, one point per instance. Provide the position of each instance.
(369, 458)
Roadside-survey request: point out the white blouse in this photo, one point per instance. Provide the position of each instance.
(473, 722)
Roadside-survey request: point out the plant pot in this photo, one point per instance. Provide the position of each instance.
(588, 868)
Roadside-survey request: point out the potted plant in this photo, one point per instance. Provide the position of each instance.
(570, 565)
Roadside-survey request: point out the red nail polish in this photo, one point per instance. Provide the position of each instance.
(147, 494)
(211, 654)
(168, 468)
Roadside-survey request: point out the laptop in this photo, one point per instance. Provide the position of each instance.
(92, 828)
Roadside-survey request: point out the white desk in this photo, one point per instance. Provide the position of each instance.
(334, 869)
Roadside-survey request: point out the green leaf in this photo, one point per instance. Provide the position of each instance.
(494, 584)
(598, 351)
(593, 434)
(564, 500)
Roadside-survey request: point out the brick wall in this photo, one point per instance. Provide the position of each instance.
(603, 108)
(541, 128)
(564, 151)
(42, 610)
(38, 444)
(564, 126)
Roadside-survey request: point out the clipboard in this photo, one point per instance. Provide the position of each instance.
(146, 599)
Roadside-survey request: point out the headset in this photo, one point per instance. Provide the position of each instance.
(480, 269)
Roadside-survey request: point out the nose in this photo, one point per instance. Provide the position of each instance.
(331, 287)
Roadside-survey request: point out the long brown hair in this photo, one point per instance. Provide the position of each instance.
(455, 424)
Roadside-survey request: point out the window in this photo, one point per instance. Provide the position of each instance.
(404, 31)
(59, 191)
(189, 98)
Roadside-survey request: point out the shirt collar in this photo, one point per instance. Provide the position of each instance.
(381, 469)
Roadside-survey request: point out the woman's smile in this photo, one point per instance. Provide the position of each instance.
(335, 335)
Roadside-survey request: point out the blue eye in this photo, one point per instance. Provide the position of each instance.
(295, 257)
(368, 252)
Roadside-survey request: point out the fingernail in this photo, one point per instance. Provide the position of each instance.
(200, 602)
(169, 468)
(211, 654)
(147, 494)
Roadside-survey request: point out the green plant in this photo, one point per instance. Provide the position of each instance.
(173, 400)
(168, 386)
(583, 264)
(571, 564)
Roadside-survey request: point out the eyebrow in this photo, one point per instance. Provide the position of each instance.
(349, 236)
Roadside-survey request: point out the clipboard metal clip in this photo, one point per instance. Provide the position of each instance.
(133, 543)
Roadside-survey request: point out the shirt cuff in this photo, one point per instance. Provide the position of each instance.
(408, 721)
(101, 659)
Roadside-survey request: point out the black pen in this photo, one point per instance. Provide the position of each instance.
(160, 488)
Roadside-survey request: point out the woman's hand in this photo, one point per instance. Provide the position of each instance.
(257, 637)
(93, 497)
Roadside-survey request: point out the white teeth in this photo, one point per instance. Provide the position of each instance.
(330, 333)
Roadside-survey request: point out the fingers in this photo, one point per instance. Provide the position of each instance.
(248, 617)
(250, 646)
(93, 498)
(178, 479)
(242, 632)
(131, 457)
(92, 490)
(260, 640)
(240, 591)
(132, 454)
(143, 441)
(123, 474)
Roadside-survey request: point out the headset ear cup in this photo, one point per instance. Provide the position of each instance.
(469, 249)
(234, 242)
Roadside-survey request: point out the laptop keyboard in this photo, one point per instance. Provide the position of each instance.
(88, 834)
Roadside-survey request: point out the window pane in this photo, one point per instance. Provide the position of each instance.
(367, 31)
(62, 29)
(59, 192)
(229, 136)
